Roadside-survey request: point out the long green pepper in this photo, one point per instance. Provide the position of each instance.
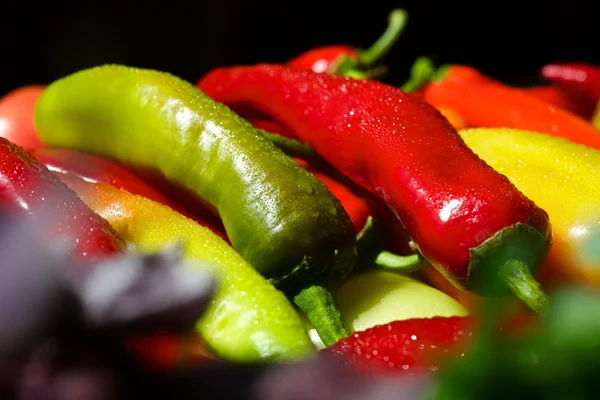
(282, 219)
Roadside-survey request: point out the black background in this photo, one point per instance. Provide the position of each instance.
(508, 40)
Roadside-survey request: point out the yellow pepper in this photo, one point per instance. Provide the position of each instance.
(562, 178)
(248, 319)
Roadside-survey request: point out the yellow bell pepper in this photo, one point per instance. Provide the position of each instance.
(562, 178)
(248, 320)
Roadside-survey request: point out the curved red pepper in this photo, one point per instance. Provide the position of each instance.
(486, 102)
(93, 168)
(582, 78)
(27, 186)
(404, 151)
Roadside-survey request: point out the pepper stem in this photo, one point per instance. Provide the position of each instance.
(291, 147)
(516, 275)
(421, 72)
(396, 23)
(398, 263)
(350, 66)
(317, 302)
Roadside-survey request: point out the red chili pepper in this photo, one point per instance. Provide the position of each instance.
(580, 78)
(558, 97)
(409, 347)
(97, 169)
(165, 351)
(485, 102)
(465, 218)
(348, 60)
(27, 186)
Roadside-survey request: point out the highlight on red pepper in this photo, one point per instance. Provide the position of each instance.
(486, 102)
(464, 217)
(578, 78)
(350, 61)
(28, 187)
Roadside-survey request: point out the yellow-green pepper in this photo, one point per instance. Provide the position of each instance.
(248, 320)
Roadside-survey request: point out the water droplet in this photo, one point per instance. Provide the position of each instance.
(305, 185)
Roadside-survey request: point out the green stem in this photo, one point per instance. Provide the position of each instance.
(421, 72)
(398, 263)
(289, 146)
(516, 275)
(355, 73)
(396, 23)
(368, 248)
(318, 304)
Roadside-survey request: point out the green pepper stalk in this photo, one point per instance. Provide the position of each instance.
(350, 61)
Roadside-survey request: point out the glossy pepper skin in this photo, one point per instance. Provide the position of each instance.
(404, 151)
(248, 319)
(413, 347)
(28, 187)
(582, 78)
(281, 219)
(94, 169)
(348, 60)
(561, 177)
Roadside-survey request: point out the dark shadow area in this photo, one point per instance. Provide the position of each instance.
(509, 40)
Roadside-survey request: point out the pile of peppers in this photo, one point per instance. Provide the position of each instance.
(338, 213)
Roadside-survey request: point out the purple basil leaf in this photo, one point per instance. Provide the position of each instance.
(135, 292)
(324, 377)
(33, 291)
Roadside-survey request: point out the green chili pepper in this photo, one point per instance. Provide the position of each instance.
(281, 218)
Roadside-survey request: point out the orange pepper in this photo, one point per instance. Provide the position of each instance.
(453, 117)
